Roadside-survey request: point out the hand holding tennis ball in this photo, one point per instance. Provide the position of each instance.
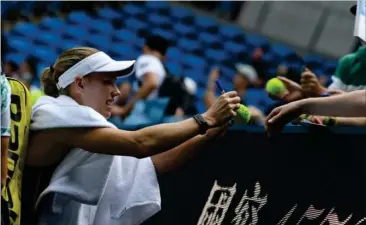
(276, 87)
(284, 89)
(243, 115)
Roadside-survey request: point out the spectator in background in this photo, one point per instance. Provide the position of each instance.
(187, 106)
(149, 71)
(28, 71)
(259, 66)
(154, 81)
(125, 89)
(11, 69)
(245, 76)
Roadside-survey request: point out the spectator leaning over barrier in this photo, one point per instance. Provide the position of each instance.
(349, 76)
(69, 130)
(352, 104)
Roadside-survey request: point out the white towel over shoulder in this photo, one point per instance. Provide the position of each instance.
(90, 188)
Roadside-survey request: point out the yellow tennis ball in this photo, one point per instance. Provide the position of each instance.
(34, 95)
(275, 87)
(243, 115)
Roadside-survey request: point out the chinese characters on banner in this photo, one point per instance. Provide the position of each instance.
(248, 209)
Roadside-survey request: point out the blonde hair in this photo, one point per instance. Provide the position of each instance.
(65, 61)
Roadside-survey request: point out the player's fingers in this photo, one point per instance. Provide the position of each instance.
(231, 94)
(235, 100)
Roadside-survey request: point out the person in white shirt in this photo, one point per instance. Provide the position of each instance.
(149, 71)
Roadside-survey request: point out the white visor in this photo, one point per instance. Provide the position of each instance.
(98, 62)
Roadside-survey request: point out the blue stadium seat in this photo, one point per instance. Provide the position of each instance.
(6, 5)
(269, 59)
(40, 67)
(26, 7)
(55, 25)
(102, 27)
(148, 111)
(25, 29)
(229, 32)
(319, 72)
(139, 43)
(79, 18)
(257, 41)
(18, 58)
(165, 34)
(77, 33)
(109, 14)
(133, 10)
(210, 40)
(235, 49)
(200, 95)
(184, 31)
(227, 73)
(189, 46)
(20, 45)
(48, 39)
(174, 68)
(216, 56)
(206, 24)
(258, 98)
(123, 52)
(135, 25)
(124, 35)
(226, 83)
(201, 108)
(282, 50)
(296, 66)
(100, 42)
(198, 75)
(158, 6)
(193, 62)
(313, 61)
(65, 44)
(44, 54)
(160, 21)
(181, 14)
(272, 72)
(330, 67)
(174, 54)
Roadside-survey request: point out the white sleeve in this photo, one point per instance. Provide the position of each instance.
(5, 111)
(148, 64)
(337, 84)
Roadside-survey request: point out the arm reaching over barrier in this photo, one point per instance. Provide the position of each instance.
(352, 104)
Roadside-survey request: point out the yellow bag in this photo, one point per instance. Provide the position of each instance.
(21, 110)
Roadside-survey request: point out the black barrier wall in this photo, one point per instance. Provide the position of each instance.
(316, 177)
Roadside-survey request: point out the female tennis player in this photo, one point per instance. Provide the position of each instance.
(69, 132)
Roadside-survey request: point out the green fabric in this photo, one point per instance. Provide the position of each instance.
(351, 69)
